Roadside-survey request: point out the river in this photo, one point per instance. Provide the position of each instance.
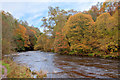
(64, 66)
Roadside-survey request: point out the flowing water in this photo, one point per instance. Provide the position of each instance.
(64, 66)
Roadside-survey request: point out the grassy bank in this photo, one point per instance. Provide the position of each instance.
(99, 54)
(114, 55)
(19, 71)
(104, 55)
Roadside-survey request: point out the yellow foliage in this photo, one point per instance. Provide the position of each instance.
(78, 29)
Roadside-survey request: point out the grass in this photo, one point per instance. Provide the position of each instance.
(7, 66)
(91, 54)
(104, 55)
(100, 54)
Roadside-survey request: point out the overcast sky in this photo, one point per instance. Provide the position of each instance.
(33, 10)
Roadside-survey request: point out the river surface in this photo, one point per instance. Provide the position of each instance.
(64, 66)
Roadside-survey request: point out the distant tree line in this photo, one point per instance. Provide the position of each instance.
(17, 35)
(93, 32)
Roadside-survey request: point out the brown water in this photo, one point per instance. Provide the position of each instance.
(63, 66)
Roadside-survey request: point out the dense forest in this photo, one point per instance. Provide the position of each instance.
(17, 35)
(88, 33)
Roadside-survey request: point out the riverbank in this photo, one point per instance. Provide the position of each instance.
(115, 55)
(69, 66)
(99, 55)
(19, 71)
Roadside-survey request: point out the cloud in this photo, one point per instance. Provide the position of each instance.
(52, 0)
(35, 16)
(32, 12)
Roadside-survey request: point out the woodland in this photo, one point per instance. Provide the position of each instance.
(88, 33)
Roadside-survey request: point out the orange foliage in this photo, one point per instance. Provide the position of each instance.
(33, 31)
(60, 44)
(21, 30)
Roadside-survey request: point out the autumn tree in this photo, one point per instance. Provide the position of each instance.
(20, 37)
(8, 26)
(117, 17)
(77, 31)
(32, 37)
(54, 16)
(44, 43)
(107, 33)
(93, 12)
(17, 35)
(54, 23)
(61, 44)
(109, 6)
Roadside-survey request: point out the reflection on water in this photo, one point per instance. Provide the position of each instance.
(63, 66)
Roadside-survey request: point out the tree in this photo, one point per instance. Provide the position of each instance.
(17, 35)
(54, 16)
(44, 43)
(55, 22)
(21, 39)
(61, 44)
(77, 31)
(94, 12)
(107, 33)
(8, 27)
(33, 35)
(108, 6)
